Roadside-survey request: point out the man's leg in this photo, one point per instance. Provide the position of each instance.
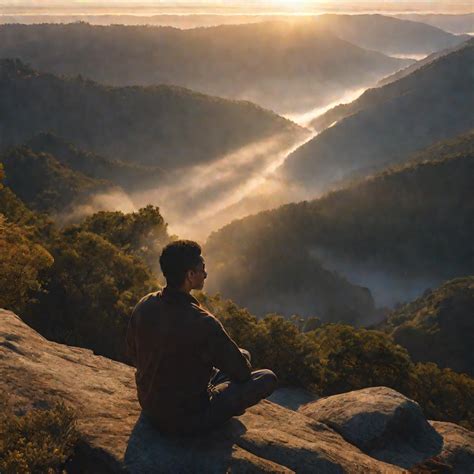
(231, 398)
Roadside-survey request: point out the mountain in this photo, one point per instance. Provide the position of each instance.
(397, 233)
(43, 183)
(372, 96)
(163, 126)
(388, 123)
(454, 23)
(127, 175)
(422, 62)
(389, 35)
(438, 326)
(279, 65)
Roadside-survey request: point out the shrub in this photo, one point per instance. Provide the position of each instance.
(38, 441)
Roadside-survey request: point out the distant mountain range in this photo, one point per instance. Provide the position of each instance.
(163, 126)
(455, 23)
(283, 65)
(386, 124)
(389, 35)
(397, 233)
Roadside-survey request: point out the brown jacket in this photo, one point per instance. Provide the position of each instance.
(174, 345)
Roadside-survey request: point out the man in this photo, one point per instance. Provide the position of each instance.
(191, 376)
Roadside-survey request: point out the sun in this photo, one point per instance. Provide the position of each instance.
(292, 4)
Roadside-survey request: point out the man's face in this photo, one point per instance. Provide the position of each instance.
(198, 275)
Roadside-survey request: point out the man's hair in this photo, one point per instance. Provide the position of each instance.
(177, 258)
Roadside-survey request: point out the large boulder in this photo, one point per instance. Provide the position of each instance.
(392, 428)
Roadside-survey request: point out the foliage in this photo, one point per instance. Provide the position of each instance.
(438, 327)
(273, 341)
(91, 290)
(38, 441)
(142, 233)
(129, 176)
(358, 358)
(42, 182)
(444, 394)
(22, 263)
(337, 358)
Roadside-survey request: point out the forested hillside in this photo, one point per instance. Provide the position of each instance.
(388, 123)
(129, 176)
(423, 62)
(413, 224)
(375, 96)
(163, 126)
(45, 184)
(279, 65)
(438, 326)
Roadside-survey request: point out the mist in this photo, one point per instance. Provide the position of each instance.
(200, 199)
(305, 118)
(387, 288)
(114, 200)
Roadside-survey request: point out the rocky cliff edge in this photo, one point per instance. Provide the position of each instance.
(375, 430)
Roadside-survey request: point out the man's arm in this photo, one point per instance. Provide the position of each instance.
(226, 355)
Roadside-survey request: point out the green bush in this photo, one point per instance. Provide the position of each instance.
(40, 441)
(274, 342)
(358, 358)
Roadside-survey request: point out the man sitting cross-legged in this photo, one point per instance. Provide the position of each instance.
(191, 376)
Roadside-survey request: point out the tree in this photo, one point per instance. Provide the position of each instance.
(22, 263)
(143, 233)
(92, 289)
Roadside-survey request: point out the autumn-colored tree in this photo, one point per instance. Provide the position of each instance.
(357, 358)
(22, 262)
(91, 292)
(142, 233)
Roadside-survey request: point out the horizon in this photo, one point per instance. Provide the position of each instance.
(245, 7)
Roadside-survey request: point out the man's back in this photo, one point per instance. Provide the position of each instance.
(174, 345)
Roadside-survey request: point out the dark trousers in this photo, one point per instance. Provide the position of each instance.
(229, 398)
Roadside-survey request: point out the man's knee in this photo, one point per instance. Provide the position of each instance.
(266, 380)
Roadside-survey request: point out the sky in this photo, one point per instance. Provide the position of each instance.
(403, 4)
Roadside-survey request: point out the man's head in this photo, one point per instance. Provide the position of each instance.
(183, 266)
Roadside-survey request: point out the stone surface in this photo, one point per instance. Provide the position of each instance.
(390, 427)
(292, 398)
(458, 446)
(267, 438)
